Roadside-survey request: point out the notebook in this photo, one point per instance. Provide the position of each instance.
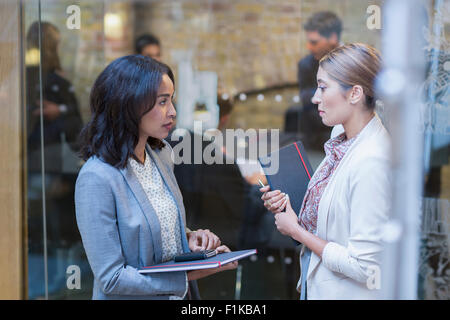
(213, 262)
(293, 175)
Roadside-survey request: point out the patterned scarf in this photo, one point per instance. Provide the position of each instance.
(335, 150)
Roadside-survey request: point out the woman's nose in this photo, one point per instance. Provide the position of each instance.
(172, 111)
(315, 99)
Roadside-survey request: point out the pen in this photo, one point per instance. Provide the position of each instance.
(261, 184)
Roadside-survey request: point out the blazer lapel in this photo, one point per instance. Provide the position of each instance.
(147, 208)
(322, 220)
(174, 190)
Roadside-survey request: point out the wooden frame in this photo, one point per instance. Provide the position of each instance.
(12, 209)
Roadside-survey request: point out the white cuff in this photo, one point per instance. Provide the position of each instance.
(331, 256)
(338, 259)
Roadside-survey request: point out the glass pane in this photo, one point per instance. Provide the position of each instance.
(36, 238)
(434, 272)
(62, 58)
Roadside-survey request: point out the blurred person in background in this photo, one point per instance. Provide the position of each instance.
(62, 120)
(219, 194)
(323, 32)
(61, 124)
(148, 45)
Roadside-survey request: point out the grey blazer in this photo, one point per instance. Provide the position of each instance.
(121, 232)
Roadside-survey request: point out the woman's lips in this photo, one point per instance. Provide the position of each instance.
(168, 126)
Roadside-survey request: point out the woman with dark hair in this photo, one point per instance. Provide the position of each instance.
(347, 201)
(60, 112)
(129, 208)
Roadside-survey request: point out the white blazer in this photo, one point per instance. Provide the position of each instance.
(352, 211)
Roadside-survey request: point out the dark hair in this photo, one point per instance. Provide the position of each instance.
(122, 94)
(324, 22)
(49, 44)
(145, 40)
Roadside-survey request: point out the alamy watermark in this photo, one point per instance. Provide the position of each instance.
(74, 277)
(373, 22)
(74, 19)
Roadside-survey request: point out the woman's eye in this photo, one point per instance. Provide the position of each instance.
(322, 88)
(163, 102)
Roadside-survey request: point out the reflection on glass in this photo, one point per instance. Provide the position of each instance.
(53, 124)
(434, 272)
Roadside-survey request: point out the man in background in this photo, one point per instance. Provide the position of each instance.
(219, 195)
(148, 45)
(323, 31)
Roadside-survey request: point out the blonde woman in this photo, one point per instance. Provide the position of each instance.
(347, 200)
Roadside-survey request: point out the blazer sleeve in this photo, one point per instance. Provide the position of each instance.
(97, 222)
(362, 254)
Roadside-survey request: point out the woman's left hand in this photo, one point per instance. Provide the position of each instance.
(202, 240)
(198, 274)
(287, 221)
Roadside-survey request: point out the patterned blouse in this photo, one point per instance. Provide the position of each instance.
(335, 150)
(164, 204)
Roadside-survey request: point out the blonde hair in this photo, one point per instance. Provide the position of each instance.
(354, 64)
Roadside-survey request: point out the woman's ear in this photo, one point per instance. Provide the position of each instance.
(356, 94)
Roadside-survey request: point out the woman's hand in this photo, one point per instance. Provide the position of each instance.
(255, 178)
(274, 201)
(50, 110)
(202, 240)
(287, 222)
(198, 274)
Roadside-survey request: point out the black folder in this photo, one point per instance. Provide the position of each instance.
(293, 175)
